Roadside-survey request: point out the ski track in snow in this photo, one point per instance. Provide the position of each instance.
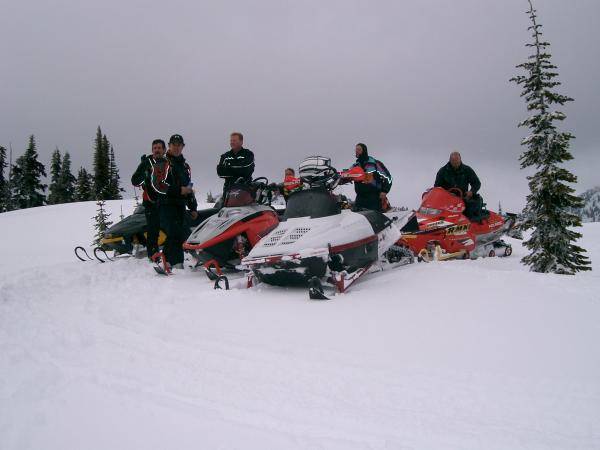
(453, 355)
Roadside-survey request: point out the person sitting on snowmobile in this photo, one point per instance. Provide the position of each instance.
(142, 177)
(236, 163)
(455, 174)
(371, 193)
(290, 183)
(172, 179)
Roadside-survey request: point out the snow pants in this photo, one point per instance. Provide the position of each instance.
(172, 217)
(152, 213)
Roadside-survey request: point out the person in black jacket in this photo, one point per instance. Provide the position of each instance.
(142, 177)
(236, 163)
(172, 179)
(455, 174)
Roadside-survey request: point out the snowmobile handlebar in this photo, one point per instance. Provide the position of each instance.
(456, 191)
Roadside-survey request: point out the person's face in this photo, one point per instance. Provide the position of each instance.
(455, 160)
(235, 142)
(158, 150)
(358, 151)
(288, 173)
(175, 149)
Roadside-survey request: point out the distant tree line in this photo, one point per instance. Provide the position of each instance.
(22, 182)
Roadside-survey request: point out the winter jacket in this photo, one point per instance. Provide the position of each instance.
(233, 166)
(448, 177)
(168, 177)
(380, 179)
(143, 177)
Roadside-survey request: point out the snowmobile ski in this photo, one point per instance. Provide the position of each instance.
(79, 249)
(315, 289)
(106, 257)
(161, 266)
(159, 270)
(222, 279)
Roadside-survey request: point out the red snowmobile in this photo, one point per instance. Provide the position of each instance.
(439, 229)
(222, 240)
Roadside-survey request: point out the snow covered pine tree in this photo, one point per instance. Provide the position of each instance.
(101, 222)
(549, 204)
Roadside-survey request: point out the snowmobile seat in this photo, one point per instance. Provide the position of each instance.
(377, 220)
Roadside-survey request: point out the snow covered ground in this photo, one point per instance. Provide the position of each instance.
(453, 355)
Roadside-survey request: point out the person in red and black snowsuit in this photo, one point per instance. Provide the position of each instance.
(172, 179)
(142, 178)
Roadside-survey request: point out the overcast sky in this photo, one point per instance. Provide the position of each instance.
(411, 79)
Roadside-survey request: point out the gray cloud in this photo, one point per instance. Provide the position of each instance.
(411, 79)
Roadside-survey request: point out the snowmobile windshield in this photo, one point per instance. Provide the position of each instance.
(239, 196)
(313, 203)
(139, 209)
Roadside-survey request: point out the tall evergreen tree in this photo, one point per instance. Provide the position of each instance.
(4, 190)
(83, 186)
(54, 190)
(114, 191)
(26, 185)
(549, 204)
(66, 180)
(101, 166)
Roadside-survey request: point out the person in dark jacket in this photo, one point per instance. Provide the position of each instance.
(236, 163)
(372, 193)
(172, 179)
(142, 177)
(456, 175)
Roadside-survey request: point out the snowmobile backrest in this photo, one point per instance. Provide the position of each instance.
(239, 195)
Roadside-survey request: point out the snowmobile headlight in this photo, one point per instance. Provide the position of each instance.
(429, 211)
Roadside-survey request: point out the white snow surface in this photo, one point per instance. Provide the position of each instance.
(450, 355)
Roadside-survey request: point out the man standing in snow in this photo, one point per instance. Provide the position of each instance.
(456, 175)
(172, 179)
(372, 192)
(236, 163)
(142, 177)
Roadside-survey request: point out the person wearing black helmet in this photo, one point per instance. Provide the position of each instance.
(142, 178)
(172, 179)
(236, 163)
(372, 192)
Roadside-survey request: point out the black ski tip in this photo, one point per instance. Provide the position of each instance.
(212, 276)
(315, 294)
(160, 271)
(222, 279)
(79, 257)
(315, 290)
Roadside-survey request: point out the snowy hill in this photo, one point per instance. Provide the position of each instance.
(591, 208)
(455, 355)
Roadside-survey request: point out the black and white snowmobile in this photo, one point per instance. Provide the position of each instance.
(320, 245)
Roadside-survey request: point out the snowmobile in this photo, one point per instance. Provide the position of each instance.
(220, 242)
(130, 234)
(318, 243)
(439, 229)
